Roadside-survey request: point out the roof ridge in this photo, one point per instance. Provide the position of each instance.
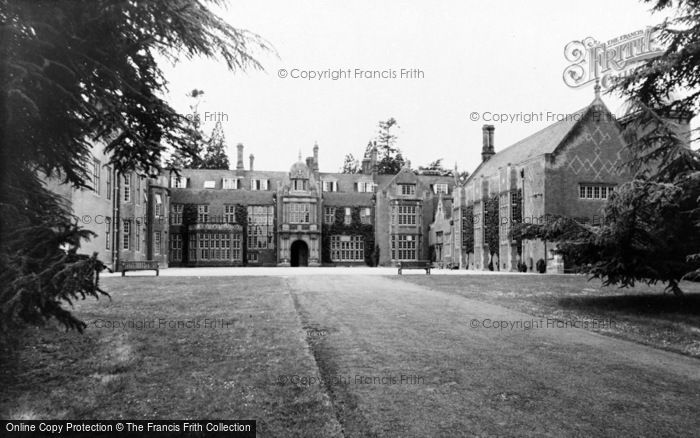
(572, 121)
(553, 125)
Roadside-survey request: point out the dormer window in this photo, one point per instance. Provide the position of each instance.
(299, 184)
(364, 186)
(441, 188)
(407, 189)
(258, 184)
(178, 182)
(330, 186)
(232, 183)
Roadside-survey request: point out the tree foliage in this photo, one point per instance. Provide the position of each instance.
(663, 94)
(491, 224)
(215, 156)
(468, 228)
(200, 151)
(73, 75)
(354, 228)
(645, 237)
(389, 157)
(191, 153)
(652, 224)
(40, 268)
(435, 168)
(517, 217)
(350, 164)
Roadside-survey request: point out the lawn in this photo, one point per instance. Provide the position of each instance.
(230, 347)
(226, 370)
(642, 314)
(479, 382)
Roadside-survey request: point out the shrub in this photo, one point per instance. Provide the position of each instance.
(541, 266)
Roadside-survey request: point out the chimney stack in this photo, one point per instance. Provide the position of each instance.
(239, 163)
(315, 156)
(487, 150)
(373, 157)
(252, 159)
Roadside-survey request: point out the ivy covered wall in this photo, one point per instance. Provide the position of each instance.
(355, 228)
(491, 224)
(189, 217)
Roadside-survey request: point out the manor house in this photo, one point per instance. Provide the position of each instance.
(305, 217)
(248, 217)
(569, 168)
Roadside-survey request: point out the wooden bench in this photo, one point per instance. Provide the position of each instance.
(418, 264)
(139, 265)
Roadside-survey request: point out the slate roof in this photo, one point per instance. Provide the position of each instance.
(542, 142)
(447, 208)
(346, 181)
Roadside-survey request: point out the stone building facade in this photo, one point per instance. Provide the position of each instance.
(305, 217)
(127, 212)
(569, 169)
(443, 242)
(93, 207)
(302, 217)
(248, 217)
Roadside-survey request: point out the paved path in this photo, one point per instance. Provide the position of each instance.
(424, 371)
(293, 272)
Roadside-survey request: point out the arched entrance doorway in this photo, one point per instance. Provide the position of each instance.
(300, 253)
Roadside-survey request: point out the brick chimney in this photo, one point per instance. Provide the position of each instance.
(366, 165)
(315, 157)
(487, 150)
(373, 158)
(239, 163)
(252, 160)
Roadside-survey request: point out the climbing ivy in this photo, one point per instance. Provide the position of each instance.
(516, 218)
(355, 228)
(241, 213)
(189, 217)
(491, 224)
(468, 228)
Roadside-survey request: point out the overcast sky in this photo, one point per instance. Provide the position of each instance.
(485, 56)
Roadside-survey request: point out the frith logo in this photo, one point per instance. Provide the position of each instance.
(593, 60)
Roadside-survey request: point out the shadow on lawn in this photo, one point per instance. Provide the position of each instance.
(643, 304)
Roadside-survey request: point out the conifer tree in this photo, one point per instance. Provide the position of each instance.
(651, 231)
(75, 75)
(215, 156)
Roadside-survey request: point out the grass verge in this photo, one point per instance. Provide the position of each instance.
(643, 314)
(172, 348)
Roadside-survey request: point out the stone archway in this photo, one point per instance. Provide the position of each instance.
(299, 253)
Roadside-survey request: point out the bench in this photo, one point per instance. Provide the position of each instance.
(139, 265)
(418, 264)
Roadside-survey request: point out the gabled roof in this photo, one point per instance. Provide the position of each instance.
(545, 141)
(443, 209)
(404, 175)
(447, 208)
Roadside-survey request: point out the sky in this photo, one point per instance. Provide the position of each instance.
(485, 57)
